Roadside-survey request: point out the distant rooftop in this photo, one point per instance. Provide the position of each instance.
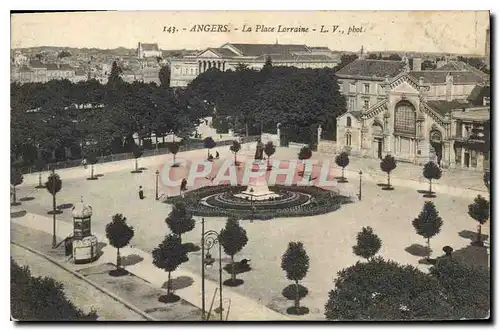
(372, 68)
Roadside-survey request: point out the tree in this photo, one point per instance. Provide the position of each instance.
(53, 185)
(63, 54)
(173, 147)
(164, 76)
(372, 56)
(305, 153)
(115, 79)
(295, 263)
(378, 290)
(345, 59)
(92, 160)
(235, 148)
(466, 288)
(168, 256)
(16, 178)
(137, 153)
(387, 165)
(40, 164)
(269, 149)
(119, 234)
(394, 57)
(368, 243)
(41, 298)
(180, 220)
(431, 171)
(479, 211)
(428, 224)
(232, 238)
(208, 143)
(486, 179)
(342, 160)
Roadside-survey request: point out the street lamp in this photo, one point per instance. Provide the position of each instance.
(208, 240)
(54, 240)
(360, 174)
(251, 202)
(157, 174)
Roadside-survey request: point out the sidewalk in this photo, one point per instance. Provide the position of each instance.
(242, 308)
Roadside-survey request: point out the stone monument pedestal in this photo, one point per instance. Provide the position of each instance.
(257, 189)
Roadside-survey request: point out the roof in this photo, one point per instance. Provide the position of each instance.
(443, 107)
(439, 77)
(223, 52)
(372, 68)
(150, 47)
(299, 58)
(25, 69)
(37, 64)
(478, 93)
(320, 48)
(262, 49)
(55, 66)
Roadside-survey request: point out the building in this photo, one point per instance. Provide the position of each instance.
(228, 56)
(416, 116)
(148, 50)
(39, 72)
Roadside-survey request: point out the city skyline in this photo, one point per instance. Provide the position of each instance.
(432, 32)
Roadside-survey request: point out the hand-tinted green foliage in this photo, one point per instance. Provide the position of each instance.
(385, 290)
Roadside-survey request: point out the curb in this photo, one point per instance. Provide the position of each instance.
(85, 279)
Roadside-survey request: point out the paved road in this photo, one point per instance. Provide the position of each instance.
(82, 294)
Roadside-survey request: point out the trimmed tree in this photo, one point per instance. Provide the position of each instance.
(305, 153)
(180, 220)
(119, 234)
(92, 159)
(378, 290)
(137, 152)
(16, 178)
(428, 224)
(41, 298)
(168, 256)
(53, 185)
(387, 165)
(368, 243)
(235, 148)
(208, 143)
(269, 149)
(173, 148)
(40, 165)
(342, 160)
(432, 171)
(479, 210)
(233, 238)
(295, 263)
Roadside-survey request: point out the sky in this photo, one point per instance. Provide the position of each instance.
(424, 31)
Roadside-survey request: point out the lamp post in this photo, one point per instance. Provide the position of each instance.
(157, 174)
(54, 240)
(209, 239)
(251, 203)
(360, 174)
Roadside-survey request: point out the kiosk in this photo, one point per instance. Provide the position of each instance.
(84, 243)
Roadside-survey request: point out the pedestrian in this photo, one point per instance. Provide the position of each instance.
(141, 193)
(84, 163)
(217, 155)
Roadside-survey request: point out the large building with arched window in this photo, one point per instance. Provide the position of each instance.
(416, 116)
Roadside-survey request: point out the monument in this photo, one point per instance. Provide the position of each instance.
(257, 188)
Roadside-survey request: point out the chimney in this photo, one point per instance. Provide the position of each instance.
(417, 64)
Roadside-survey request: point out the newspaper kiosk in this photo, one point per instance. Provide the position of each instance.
(84, 243)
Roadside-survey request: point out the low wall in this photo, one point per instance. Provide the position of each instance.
(327, 147)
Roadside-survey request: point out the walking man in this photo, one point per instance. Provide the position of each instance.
(141, 193)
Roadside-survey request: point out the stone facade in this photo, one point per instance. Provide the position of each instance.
(254, 56)
(414, 126)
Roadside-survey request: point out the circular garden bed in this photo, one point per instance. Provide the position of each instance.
(294, 201)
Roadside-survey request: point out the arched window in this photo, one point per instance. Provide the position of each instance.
(348, 121)
(405, 118)
(348, 139)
